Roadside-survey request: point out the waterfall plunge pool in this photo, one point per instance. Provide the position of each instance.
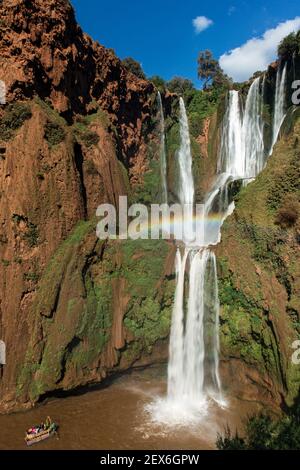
(118, 417)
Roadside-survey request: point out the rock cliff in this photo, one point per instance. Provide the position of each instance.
(75, 132)
(79, 130)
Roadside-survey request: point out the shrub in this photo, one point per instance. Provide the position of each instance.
(31, 236)
(288, 213)
(287, 182)
(158, 82)
(195, 124)
(14, 117)
(263, 433)
(289, 46)
(89, 137)
(31, 277)
(134, 67)
(54, 133)
(180, 85)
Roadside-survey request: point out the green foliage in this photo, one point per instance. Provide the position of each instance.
(230, 441)
(210, 71)
(31, 277)
(229, 295)
(31, 235)
(289, 46)
(51, 113)
(14, 117)
(54, 133)
(82, 130)
(180, 85)
(287, 182)
(200, 105)
(134, 67)
(87, 136)
(243, 324)
(159, 82)
(263, 433)
(195, 124)
(288, 213)
(148, 311)
(148, 192)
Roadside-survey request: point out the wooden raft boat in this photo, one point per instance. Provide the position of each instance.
(41, 432)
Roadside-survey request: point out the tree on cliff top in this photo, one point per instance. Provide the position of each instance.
(159, 82)
(209, 70)
(134, 67)
(180, 85)
(289, 46)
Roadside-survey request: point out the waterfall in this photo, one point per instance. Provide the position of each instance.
(193, 368)
(242, 143)
(163, 158)
(175, 365)
(230, 158)
(279, 104)
(211, 327)
(186, 190)
(186, 371)
(193, 351)
(252, 133)
(242, 155)
(186, 181)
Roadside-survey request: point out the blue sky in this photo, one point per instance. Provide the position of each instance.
(160, 33)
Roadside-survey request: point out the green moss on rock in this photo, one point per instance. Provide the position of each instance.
(74, 307)
(13, 118)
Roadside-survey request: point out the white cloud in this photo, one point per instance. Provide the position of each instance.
(256, 53)
(201, 23)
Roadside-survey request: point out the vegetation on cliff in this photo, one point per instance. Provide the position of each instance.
(76, 308)
(12, 119)
(260, 314)
(262, 432)
(95, 300)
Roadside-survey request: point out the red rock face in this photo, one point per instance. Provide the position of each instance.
(46, 188)
(44, 52)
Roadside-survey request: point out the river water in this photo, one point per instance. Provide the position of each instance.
(115, 417)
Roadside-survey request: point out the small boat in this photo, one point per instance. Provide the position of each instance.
(41, 432)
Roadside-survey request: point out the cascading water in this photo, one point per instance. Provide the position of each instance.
(193, 369)
(189, 380)
(185, 369)
(163, 158)
(230, 157)
(186, 190)
(253, 152)
(186, 182)
(211, 329)
(242, 146)
(279, 104)
(175, 366)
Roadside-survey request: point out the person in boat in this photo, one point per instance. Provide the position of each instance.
(48, 426)
(48, 422)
